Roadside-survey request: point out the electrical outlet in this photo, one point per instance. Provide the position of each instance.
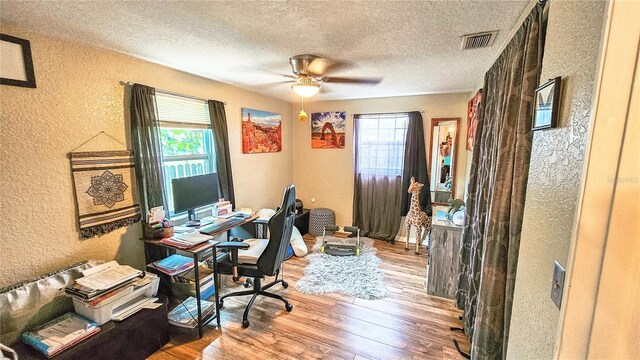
(557, 284)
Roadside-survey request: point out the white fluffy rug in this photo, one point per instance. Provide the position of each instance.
(359, 276)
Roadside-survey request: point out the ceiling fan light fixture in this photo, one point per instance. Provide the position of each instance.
(305, 89)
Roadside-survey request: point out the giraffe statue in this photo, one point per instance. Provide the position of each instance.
(416, 216)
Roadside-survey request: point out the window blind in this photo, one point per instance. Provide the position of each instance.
(180, 109)
(381, 139)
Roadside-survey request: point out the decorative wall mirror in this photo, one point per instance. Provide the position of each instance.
(442, 162)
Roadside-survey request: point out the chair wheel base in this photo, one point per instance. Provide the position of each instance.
(285, 284)
(245, 324)
(288, 307)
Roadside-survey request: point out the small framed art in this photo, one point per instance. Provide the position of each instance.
(547, 105)
(16, 64)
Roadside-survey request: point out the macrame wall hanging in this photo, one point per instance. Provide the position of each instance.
(104, 185)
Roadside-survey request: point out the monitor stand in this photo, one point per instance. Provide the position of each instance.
(192, 219)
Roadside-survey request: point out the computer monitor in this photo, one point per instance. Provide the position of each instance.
(193, 192)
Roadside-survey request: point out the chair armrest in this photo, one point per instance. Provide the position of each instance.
(261, 221)
(233, 245)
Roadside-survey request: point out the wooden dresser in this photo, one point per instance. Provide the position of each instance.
(444, 258)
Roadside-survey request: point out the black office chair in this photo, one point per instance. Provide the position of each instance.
(257, 258)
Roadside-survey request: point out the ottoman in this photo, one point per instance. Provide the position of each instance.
(319, 218)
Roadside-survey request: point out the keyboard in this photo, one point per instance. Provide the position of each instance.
(220, 224)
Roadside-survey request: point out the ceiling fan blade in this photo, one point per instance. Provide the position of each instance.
(344, 80)
(322, 66)
(273, 84)
(325, 89)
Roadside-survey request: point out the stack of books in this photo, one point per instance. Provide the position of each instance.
(173, 265)
(60, 334)
(103, 281)
(186, 314)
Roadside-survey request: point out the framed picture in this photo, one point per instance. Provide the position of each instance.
(472, 118)
(547, 105)
(327, 129)
(261, 131)
(16, 64)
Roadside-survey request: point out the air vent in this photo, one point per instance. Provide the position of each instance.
(479, 40)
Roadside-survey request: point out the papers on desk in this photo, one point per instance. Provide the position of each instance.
(60, 334)
(107, 276)
(187, 239)
(104, 279)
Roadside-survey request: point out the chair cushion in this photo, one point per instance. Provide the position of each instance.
(297, 242)
(251, 255)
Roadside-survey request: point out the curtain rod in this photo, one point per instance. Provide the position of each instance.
(170, 92)
(385, 113)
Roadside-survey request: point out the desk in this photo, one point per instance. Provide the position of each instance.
(199, 252)
(444, 258)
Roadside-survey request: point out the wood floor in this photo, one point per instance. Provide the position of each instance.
(407, 325)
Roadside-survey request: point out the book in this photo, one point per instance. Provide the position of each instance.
(60, 334)
(192, 238)
(173, 264)
(178, 244)
(186, 313)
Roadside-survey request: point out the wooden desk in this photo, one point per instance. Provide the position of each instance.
(199, 252)
(444, 258)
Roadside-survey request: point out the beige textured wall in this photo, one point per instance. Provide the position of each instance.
(327, 174)
(77, 96)
(571, 51)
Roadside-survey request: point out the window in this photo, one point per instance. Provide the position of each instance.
(380, 142)
(186, 139)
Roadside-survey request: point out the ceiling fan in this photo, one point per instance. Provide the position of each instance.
(311, 70)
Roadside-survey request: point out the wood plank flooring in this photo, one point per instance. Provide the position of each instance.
(408, 325)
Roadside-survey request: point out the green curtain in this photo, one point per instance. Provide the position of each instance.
(415, 164)
(145, 139)
(221, 141)
(497, 188)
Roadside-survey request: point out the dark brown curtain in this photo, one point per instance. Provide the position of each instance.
(221, 141)
(496, 190)
(376, 199)
(415, 164)
(145, 140)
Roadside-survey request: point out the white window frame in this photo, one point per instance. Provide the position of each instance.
(182, 112)
(367, 147)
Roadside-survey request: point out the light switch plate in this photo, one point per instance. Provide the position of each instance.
(557, 284)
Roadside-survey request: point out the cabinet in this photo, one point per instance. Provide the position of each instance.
(444, 258)
(302, 221)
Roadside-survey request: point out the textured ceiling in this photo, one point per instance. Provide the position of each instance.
(413, 45)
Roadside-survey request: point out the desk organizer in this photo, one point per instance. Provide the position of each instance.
(150, 233)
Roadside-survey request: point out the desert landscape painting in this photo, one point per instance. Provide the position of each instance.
(327, 129)
(261, 131)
